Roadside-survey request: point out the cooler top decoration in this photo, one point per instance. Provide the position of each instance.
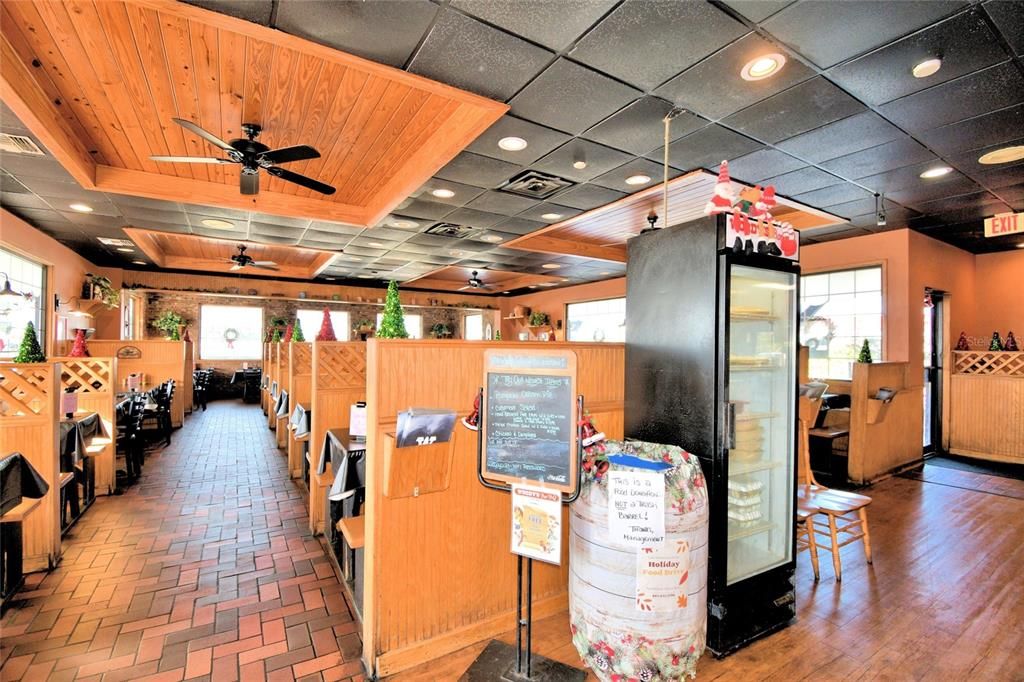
(750, 226)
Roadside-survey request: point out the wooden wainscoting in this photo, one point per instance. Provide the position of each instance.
(300, 378)
(160, 361)
(29, 412)
(438, 571)
(986, 404)
(93, 379)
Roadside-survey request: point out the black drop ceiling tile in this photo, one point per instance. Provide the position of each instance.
(856, 207)
(980, 131)
(802, 181)
(764, 163)
(959, 202)
(714, 87)
(134, 215)
(540, 140)
(256, 11)
(964, 43)
(570, 97)
(479, 171)
(272, 239)
(26, 166)
(463, 193)
(22, 200)
(615, 179)
(639, 128)
(801, 108)
(520, 225)
(385, 32)
(93, 220)
(828, 32)
(8, 185)
(910, 177)
(474, 218)
(463, 52)
(587, 197)
(598, 158)
(646, 43)
(1001, 177)
(324, 227)
(501, 202)
(968, 161)
(758, 10)
(831, 196)
(851, 134)
(537, 212)
(984, 91)
(429, 210)
(1009, 17)
(552, 23)
(912, 195)
(896, 154)
(707, 148)
(895, 218)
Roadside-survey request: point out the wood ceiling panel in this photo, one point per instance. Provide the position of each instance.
(113, 73)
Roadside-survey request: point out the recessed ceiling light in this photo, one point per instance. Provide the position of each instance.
(1021, 245)
(926, 68)
(512, 144)
(457, 253)
(139, 262)
(638, 179)
(125, 249)
(81, 208)
(1004, 155)
(365, 276)
(565, 279)
(492, 238)
(551, 216)
(376, 245)
(762, 67)
(506, 292)
(579, 165)
(329, 279)
(404, 224)
(551, 266)
(216, 224)
(606, 273)
(355, 259)
(936, 172)
(442, 193)
(532, 286)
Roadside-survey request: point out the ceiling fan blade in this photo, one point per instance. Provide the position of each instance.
(260, 266)
(486, 287)
(300, 152)
(250, 183)
(189, 159)
(236, 266)
(209, 137)
(308, 183)
(264, 262)
(467, 287)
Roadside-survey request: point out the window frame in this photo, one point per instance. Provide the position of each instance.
(260, 332)
(405, 316)
(45, 322)
(341, 333)
(565, 315)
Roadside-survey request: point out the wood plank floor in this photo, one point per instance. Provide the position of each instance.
(943, 600)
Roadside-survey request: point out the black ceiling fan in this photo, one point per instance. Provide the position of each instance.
(252, 155)
(243, 260)
(475, 282)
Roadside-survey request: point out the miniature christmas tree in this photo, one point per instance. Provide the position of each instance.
(276, 336)
(288, 333)
(79, 350)
(1011, 343)
(961, 343)
(326, 328)
(497, 335)
(392, 325)
(996, 343)
(865, 353)
(30, 350)
(297, 334)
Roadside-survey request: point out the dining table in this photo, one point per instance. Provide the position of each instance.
(251, 379)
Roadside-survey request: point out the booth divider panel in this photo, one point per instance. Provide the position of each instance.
(438, 571)
(301, 370)
(285, 382)
(79, 374)
(159, 361)
(29, 404)
(880, 441)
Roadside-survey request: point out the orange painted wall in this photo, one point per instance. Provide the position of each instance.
(553, 302)
(999, 294)
(67, 273)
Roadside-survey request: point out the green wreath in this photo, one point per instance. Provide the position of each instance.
(230, 336)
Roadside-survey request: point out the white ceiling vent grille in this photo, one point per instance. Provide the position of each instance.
(450, 230)
(115, 242)
(19, 144)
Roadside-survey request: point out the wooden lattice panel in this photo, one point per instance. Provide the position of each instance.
(86, 375)
(302, 358)
(24, 389)
(341, 366)
(1002, 363)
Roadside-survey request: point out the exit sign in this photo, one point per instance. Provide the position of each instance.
(1003, 224)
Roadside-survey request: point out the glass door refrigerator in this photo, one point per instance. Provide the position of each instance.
(711, 366)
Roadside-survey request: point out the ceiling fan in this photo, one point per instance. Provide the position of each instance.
(475, 282)
(253, 156)
(243, 260)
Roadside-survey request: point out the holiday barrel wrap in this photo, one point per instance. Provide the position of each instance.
(615, 637)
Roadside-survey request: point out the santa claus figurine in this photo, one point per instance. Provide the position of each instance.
(766, 203)
(722, 200)
(472, 421)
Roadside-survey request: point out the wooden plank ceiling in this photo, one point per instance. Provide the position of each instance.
(602, 232)
(454, 277)
(99, 83)
(191, 252)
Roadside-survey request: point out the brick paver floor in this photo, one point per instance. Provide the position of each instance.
(205, 570)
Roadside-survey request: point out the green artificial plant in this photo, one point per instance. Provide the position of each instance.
(170, 323)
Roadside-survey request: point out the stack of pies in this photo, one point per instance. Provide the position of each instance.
(749, 444)
(744, 502)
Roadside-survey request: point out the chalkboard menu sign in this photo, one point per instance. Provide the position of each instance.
(529, 417)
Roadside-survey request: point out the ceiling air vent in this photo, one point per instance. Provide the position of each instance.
(19, 144)
(450, 230)
(115, 242)
(535, 184)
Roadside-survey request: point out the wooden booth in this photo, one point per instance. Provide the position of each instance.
(437, 567)
(158, 361)
(300, 379)
(986, 405)
(93, 379)
(271, 371)
(284, 387)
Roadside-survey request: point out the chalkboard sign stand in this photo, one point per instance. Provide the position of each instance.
(494, 662)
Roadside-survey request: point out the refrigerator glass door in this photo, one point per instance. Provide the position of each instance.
(760, 438)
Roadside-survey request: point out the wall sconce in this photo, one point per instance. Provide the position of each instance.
(9, 291)
(74, 309)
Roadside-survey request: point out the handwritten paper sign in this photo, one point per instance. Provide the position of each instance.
(636, 508)
(537, 523)
(530, 418)
(662, 577)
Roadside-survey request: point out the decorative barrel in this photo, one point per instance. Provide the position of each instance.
(640, 613)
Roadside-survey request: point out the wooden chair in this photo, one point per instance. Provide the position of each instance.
(804, 534)
(845, 513)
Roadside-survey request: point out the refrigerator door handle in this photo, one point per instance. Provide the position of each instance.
(729, 425)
